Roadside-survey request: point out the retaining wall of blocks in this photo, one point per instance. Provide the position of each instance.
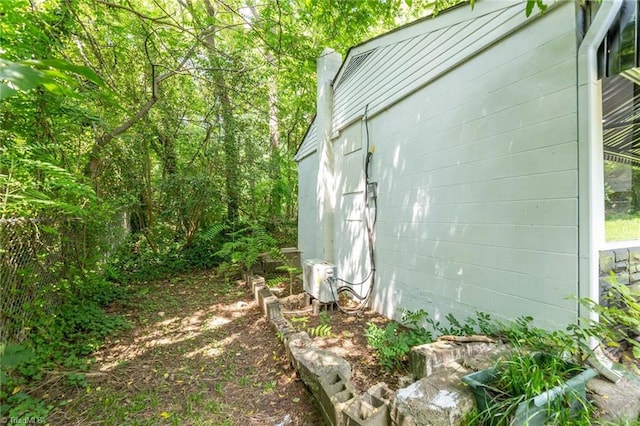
(433, 393)
(325, 374)
(624, 264)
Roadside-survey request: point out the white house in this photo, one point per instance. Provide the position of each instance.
(489, 135)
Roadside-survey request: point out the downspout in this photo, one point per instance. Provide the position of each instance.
(327, 67)
(590, 169)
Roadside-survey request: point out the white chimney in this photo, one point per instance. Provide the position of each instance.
(328, 65)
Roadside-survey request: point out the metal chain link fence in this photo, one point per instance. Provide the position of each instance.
(34, 257)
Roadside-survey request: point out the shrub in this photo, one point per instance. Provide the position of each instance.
(394, 342)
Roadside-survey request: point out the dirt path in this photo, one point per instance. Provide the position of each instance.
(199, 353)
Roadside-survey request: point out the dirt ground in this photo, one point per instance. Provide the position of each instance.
(201, 353)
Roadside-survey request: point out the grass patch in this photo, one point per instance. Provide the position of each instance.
(622, 227)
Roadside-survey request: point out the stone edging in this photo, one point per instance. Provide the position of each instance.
(325, 374)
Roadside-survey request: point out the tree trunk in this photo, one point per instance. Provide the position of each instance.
(229, 143)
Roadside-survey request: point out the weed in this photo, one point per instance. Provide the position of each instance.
(523, 376)
(77, 379)
(320, 331)
(393, 343)
(619, 316)
(324, 318)
(269, 386)
(219, 388)
(291, 272)
(482, 323)
(61, 342)
(299, 320)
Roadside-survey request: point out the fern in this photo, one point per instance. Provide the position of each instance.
(247, 244)
(303, 320)
(213, 232)
(277, 280)
(322, 330)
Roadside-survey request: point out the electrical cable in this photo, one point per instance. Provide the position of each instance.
(369, 225)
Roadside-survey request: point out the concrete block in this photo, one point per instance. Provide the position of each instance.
(282, 327)
(325, 374)
(620, 267)
(426, 359)
(298, 344)
(274, 309)
(256, 292)
(292, 257)
(634, 278)
(380, 393)
(313, 363)
(634, 255)
(361, 412)
(268, 264)
(370, 409)
(622, 278)
(335, 394)
(635, 288)
(269, 303)
(622, 255)
(634, 267)
(320, 362)
(607, 259)
(256, 281)
(439, 400)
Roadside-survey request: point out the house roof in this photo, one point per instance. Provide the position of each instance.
(382, 71)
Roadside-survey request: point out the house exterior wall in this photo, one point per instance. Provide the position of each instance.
(308, 229)
(351, 243)
(477, 184)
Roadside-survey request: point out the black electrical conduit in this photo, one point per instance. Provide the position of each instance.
(370, 278)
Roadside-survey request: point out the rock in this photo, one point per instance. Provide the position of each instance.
(286, 420)
(439, 400)
(619, 402)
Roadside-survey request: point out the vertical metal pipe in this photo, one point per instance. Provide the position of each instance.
(328, 65)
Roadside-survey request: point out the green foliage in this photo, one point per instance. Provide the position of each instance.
(522, 333)
(246, 245)
(619, 317)
(324, 318)
(54, 75)
(23, 408)
(59, 342)
(300, 320)
(322, 330)
(523, 376)
(137, 260)
(292, 272)
(32, 185)
(393, 342)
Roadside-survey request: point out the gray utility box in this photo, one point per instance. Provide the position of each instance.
(317, 279)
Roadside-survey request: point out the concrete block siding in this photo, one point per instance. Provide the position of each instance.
(477, 185)
(624, 263)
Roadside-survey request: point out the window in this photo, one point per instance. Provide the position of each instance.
(621, 139)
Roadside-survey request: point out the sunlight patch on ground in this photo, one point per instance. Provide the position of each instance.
(213, 349)
(177, 330)
(216, 322)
